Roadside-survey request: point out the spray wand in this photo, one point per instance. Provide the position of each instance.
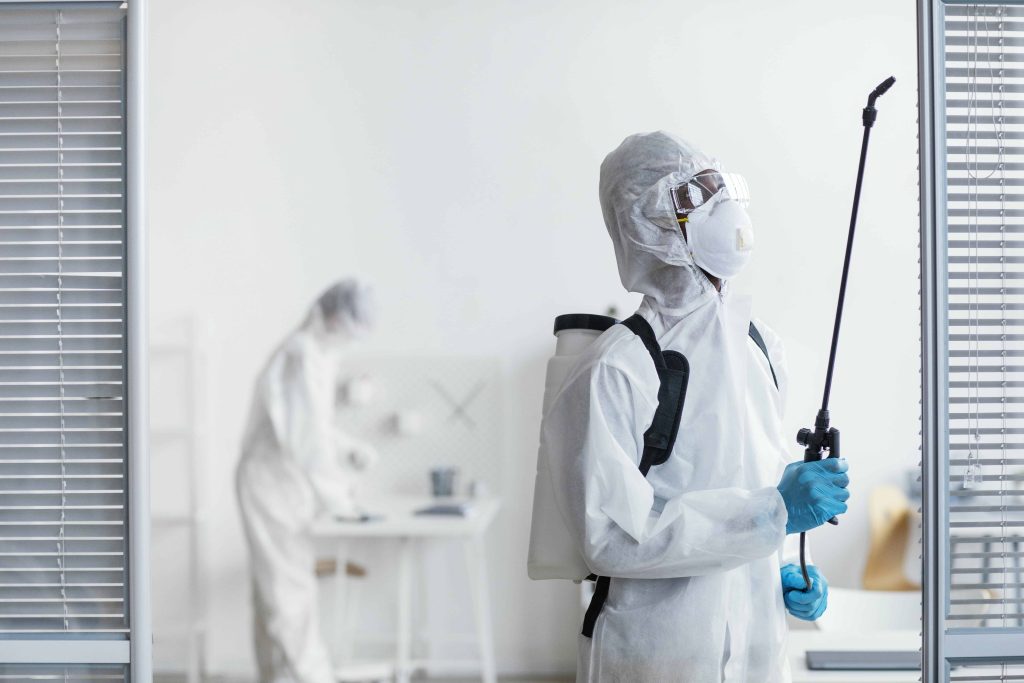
(824, 437)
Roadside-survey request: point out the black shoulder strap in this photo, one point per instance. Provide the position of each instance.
(759, 340)
(641, 328)
(673, 374)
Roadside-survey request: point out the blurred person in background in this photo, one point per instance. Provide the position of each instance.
(296, 465)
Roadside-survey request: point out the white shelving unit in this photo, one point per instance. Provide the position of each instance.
(176, 446)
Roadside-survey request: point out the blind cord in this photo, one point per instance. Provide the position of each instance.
(62, 544)
(998, 127)
(996, 79)
(972, 476)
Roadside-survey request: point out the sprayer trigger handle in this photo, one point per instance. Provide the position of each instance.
(833, 440)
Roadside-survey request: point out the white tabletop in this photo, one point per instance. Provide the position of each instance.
(394, 517)
(801, 641)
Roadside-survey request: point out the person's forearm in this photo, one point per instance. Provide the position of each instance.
(701, 532)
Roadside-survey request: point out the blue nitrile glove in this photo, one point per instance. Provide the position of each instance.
(814, 492)
(807, 605)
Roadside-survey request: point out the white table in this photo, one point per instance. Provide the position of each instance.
(398, 522)
(802, 641)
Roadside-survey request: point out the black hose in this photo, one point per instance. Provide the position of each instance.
(803, 561)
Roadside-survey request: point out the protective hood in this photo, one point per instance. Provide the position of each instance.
(650, 249)
(343, 312)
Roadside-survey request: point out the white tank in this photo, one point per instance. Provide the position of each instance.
(554, 553)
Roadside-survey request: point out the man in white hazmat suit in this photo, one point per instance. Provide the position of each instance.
(694, 548)
(295, 465)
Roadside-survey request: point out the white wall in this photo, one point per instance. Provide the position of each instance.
(448, 150)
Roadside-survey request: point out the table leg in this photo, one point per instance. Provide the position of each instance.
(423, 634)
(193, 667)
(340, 633)
(350, 608)
(476, 564)
(404, 635)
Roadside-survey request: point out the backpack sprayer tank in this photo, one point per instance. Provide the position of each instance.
(554, 552)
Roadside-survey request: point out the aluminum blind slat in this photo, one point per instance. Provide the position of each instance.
(58, 421)
(63, 551)
(983, 56)
(952, 105)
(987, 673)
(45, 342)
(82, 673)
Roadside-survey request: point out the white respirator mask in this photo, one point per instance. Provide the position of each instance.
(719, 233)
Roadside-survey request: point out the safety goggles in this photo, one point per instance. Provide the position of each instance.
(699, 189)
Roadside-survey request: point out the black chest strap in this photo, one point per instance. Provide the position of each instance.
(673, 374)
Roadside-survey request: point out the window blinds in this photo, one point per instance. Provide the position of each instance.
(985, 284)
(972, 194)
(63, 456)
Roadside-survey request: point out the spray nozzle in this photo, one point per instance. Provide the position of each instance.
(882, 88)
(869, 114)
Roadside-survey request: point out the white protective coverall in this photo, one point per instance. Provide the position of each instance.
(295, 465)
(696, 545)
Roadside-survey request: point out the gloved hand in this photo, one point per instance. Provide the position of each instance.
(807, 605)
(814, 492)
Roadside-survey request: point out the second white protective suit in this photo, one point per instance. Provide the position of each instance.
(695, 546)
(296, 465)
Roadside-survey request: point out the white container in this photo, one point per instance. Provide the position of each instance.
(554, 553)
